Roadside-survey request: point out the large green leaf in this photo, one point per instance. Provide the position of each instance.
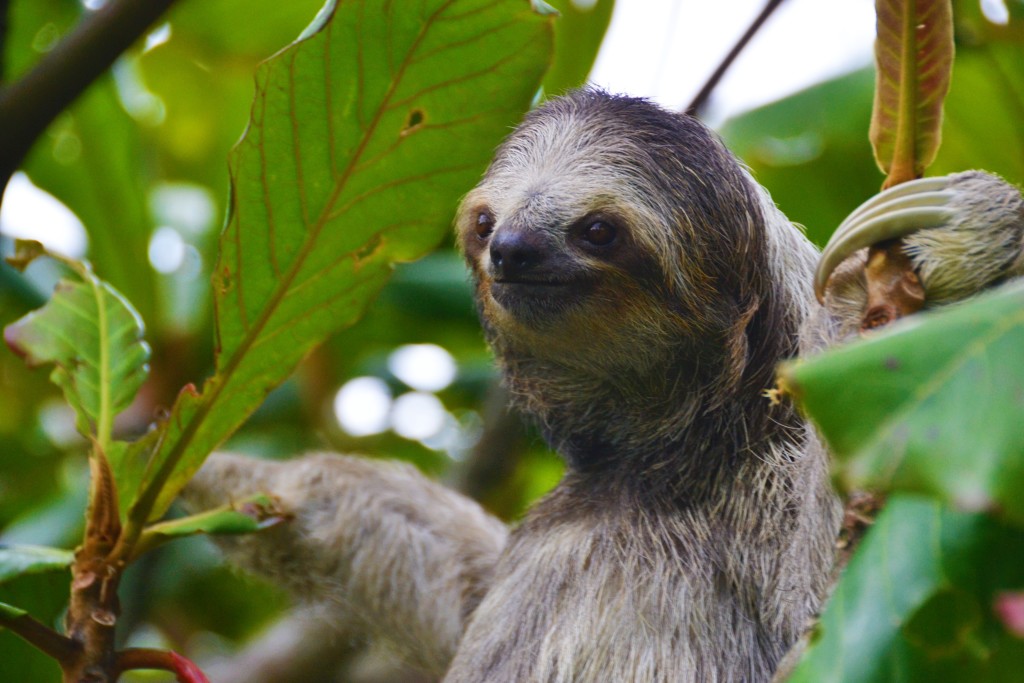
(363, 135)
(19, 560)
(933, 405)
(93, 337)
(916, 602)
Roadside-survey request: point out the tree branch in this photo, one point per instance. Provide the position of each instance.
(30, 104)
(43, 638)
(700, 101)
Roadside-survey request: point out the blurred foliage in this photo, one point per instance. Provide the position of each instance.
(900, 424)
(924, 614)
(812, 152)
(146, 147)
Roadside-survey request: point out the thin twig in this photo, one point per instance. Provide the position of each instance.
(696, 107)
(43, 638)
(30, 104)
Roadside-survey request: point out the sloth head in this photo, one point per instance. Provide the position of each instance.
(620, 254)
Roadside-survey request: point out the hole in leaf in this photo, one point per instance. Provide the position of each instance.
(225, 280)
(416, 118)
(367, 250)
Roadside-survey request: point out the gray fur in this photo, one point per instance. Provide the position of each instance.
(400, 557)
(692, 538)
(952, 261)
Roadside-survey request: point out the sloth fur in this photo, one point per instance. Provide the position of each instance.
(638, 289)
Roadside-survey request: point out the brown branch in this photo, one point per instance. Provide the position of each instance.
(31, 103)
(700, 101)
(43, 638)
(94, 607)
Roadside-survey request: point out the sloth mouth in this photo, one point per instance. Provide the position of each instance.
(538, 300)
(534, 283)
(542, 287)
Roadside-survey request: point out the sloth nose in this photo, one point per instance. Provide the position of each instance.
(515, 253)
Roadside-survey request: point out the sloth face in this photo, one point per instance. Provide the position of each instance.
(558, 268)
(620, 253)
(560, 237)
(606, 225)
(535, 266)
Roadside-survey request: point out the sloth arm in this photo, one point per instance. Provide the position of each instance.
(377, 544)
(963, 234)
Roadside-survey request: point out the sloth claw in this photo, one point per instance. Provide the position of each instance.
(923, 204)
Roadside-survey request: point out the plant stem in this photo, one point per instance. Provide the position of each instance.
(30, 104)
(92, 616)
(700, 101)
(45, 639)
(95, 607)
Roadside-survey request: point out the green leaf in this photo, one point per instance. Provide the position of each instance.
(19, 560)
(93, 336)
(363, 136)
(914, 58)
(933, 406)
(246, 516)
(983, 111)
(579, 31)
(916, 602)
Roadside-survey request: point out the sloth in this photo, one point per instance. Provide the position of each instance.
(638, 289)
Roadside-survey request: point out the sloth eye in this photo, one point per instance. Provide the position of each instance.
(599, 233)
(484, 224)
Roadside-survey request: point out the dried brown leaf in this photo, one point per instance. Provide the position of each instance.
(914, 59)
